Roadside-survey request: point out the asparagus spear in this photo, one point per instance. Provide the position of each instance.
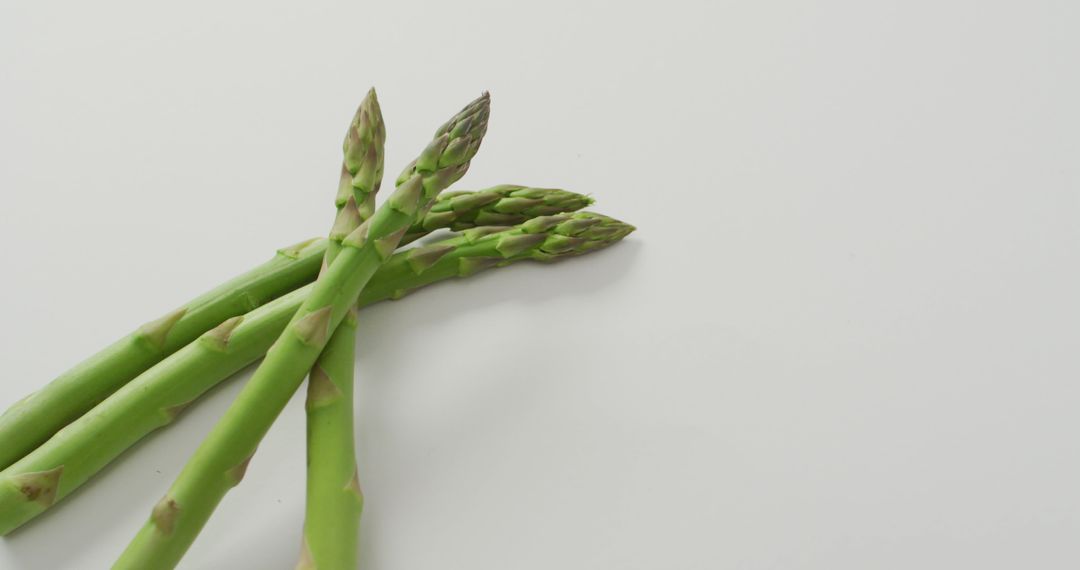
(503, 205)
(334, 503)
(361, 172)
(37, 417)
(31, 421)
(156, 398)
(334, 499)
(221, 460)
(544, 238)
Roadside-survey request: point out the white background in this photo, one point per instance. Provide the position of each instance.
(844, 336)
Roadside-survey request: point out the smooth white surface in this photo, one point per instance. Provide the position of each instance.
(845, 335)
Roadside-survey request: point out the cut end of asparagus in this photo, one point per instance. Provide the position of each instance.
(39, 486)
(164, 515)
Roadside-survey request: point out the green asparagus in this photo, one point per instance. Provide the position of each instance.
(333, 506)
(221, 460)
(34, 419)
(503, 205)
(156, 398)
(334, 499)
(361, 172)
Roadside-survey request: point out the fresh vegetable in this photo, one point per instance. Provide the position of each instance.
(222, 459)
(157, 397)
(33, 420)
(334, 499)
(503, 205)
(300, 312)
(334, 502)
(361, 172)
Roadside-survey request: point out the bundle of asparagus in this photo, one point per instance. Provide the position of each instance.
(299, 313)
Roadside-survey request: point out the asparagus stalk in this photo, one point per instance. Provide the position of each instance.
(37, 417)
(34, 419)
(544, 238)
(221, 460)
(334, 499)
(334, 503)
(156, 398)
